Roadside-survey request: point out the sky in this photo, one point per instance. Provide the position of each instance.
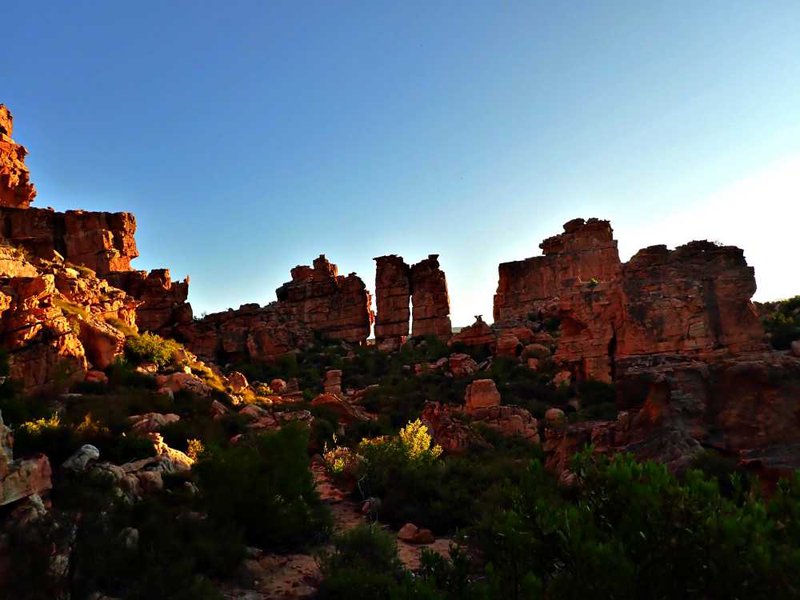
(250, 137)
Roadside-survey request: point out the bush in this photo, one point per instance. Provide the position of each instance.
(264, 489)
(632, 530)
(363, 565)
(152, 348)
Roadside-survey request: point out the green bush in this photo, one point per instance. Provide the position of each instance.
(152, 348)
(632, 530)
(264, 488)
(782, 322)
(363, 565)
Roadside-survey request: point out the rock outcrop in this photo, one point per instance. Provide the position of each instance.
(163, 303)
(318, 301)
(392, 293)
(56, 321)
(16, 189)
(103, 242)
(430, 313)
(20, 478)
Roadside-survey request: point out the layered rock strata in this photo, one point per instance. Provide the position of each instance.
(392, 293)
(318, 301)
(16, 189)
(430, 315)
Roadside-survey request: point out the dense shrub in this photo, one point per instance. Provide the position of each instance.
(362, 566)
(152, 348)
(634, 531)
(264, 489)
(782, 322)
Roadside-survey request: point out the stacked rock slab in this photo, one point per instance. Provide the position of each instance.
(317, 301)
(335, 306)
(103, 242)
(430, 300)
(163, 303)
(392, 293)
(585, 252)
(16, 189)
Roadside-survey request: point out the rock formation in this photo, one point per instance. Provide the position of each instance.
(330, 304)
(164, 303)
(318, 301)
(56, 321)
(100, 241)
(16, 189)
(392, 293)
(430, 300)
(675, 330)
(20, 478)
(103, 242)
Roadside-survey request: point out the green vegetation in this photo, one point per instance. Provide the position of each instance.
(152, 348)
(782, 322)
(275, 504)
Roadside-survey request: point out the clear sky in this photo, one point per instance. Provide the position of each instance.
(249, 137)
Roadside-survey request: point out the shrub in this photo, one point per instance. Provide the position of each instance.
(265, 489)
(363, 565)
(152, 348)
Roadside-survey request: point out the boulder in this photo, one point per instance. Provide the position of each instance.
(481, 394)
(82, 457)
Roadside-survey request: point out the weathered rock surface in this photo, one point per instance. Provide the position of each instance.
(16, 189)
(481, 394)
(163, 302)
(477, 334)
(103, 242)
(316, 301)
(20, 478)
(430, 301)
(392, 293)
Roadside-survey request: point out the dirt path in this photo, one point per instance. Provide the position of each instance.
(297, 576)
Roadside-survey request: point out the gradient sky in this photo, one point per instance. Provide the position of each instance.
(249, 137)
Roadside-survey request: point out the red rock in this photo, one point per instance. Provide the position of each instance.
(317, 301)
(392, 293)
(20, 478)
(481, 393)
(277, 385)
(462, 365)
(333, 382)
(162, 302)
(430, 300)
(16, 189)
(237, 382)
(347, 413)
(555, 417)
(477, 334)
(507, 345)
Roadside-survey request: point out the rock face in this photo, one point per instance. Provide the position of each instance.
(430, 300)
(20, 478)
(328, 303)
(691, 300)
(55, 321)
(675, 330)
(425, 285)
(16, 189)
(316, 301)
(164, 305)
(586, 251)
(103, 242)
(694, 299)
(392, 293)
(481, 394)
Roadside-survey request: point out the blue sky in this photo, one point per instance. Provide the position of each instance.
(249, 137)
